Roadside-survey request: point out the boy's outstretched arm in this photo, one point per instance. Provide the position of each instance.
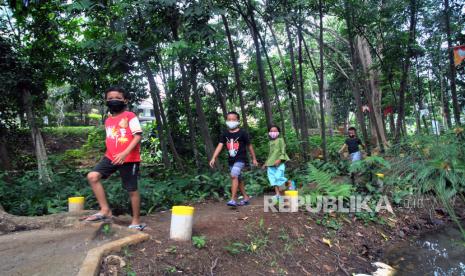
(119, 158)
(215, 154)
(252, 153)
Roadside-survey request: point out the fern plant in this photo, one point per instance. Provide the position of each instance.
(324, 185)
(434, 165)
(371, 164)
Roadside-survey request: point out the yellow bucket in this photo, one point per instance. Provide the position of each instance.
(293, 200)
(291, 193)
(182, 219)
(76, 204)
(77, 199)
(183, 210)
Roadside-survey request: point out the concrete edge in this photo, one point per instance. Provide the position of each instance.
(91, 263)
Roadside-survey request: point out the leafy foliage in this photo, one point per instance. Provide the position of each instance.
(324, 186)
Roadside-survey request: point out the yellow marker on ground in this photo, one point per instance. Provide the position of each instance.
(182, 218)
(293, 197)
(380, 175)
(76, 204)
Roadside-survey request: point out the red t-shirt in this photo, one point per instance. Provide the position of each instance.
(120, 130)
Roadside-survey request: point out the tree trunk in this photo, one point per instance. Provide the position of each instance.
(354, 82)
(39, 146)
(187, 106)
(405, 71)
(237, 76)
(261, 73)
(453, 86)
(275, 88)
(303, 127)
(321, 84)
(156, 109)
(313, 110)
(251, 23)
(420, 96)
(204, 131)
(392, 124)
(373, 94)
(217, 88)
(417, 114)
(155, 94)
(287, 78)
(301, 82)
(445, 101)
(5, 163)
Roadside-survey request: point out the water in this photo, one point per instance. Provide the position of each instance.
(436, 253)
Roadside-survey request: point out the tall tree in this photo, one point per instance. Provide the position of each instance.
(321, 83)
(237, 75)
(249, 17)
(452, 73)
(405, 69)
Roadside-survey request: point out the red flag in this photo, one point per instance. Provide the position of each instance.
(459, 54)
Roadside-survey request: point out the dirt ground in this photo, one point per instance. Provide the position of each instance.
(58, 251)
(249, 241)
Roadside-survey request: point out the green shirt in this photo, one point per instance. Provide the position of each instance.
(277, 152)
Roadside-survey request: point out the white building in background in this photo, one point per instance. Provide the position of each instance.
(145, 111)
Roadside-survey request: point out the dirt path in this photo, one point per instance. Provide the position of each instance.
(248, 241)
(49, 251)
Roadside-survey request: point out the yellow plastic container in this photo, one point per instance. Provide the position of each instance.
(380, 180)
(291, 193)
(182, 218)
(76, 204)
(380, 175)
(293, 200)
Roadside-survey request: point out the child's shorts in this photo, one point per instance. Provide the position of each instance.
(129, 172)
(276, 175)
(356, 156)
(236, 169)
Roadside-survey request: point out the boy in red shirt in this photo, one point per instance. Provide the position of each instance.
(123, 135)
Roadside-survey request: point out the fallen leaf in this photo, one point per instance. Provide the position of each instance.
(244, 218)
(384, 236)
(308, 227)
(157, 241)
(328, 268)
(327, 241)
(359, 234)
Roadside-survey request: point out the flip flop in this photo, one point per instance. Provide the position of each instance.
(97, 217)
(139, 227)
(232, 203)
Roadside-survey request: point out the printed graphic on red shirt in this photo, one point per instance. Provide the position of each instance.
(233, 146)
(120, 131)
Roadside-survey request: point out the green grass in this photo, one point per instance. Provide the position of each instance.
(68, 130)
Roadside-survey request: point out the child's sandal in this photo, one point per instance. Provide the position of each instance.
(232, 203)
(244, 202)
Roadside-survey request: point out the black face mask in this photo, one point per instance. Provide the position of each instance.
(115, 106)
